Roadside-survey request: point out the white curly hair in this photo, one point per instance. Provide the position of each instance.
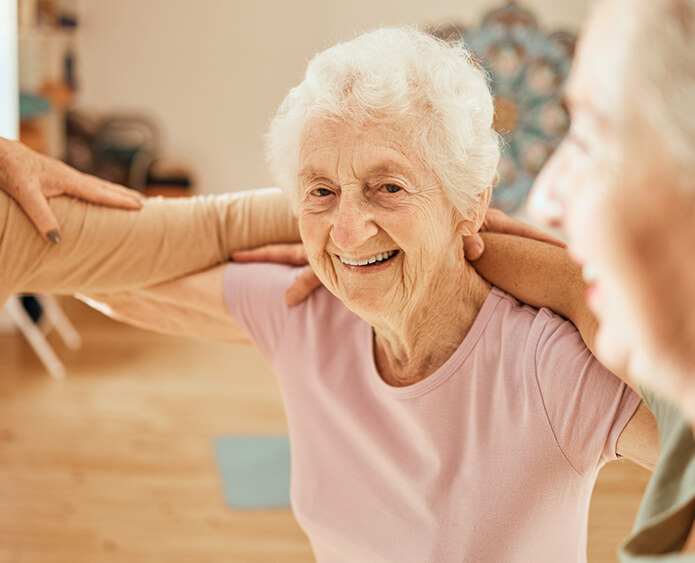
(401, 76)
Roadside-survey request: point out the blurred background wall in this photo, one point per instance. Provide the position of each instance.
(212, 72)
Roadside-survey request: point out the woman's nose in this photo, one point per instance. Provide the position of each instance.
(546, 202)
(354, 224)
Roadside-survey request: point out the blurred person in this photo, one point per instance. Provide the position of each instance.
(623, 186)
(432, 417)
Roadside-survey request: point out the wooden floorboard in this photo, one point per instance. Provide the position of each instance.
(116, 463)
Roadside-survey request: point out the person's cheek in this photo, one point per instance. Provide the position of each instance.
(313, 232)
(580, 221)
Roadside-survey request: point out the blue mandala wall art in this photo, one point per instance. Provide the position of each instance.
(528, 68)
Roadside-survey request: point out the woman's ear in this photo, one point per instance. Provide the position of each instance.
(471, 223)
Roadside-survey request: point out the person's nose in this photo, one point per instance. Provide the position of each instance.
(353, 224)
(547, 200)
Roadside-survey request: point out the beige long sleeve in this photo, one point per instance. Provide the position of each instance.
(105, 249)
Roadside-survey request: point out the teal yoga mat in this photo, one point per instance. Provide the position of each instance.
(255, 470)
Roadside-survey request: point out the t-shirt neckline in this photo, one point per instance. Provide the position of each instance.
(447, 369)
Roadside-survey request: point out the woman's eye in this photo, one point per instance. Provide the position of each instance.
(391, 188)
(322, 192)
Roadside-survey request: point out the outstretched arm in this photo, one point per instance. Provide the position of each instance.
(190, 306)
(105, 249)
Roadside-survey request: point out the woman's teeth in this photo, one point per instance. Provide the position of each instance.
(371, 260)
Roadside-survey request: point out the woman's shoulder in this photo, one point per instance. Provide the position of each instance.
(260, 279)
(515, 319)
(255, 297)
(508, 305)
(263, 285)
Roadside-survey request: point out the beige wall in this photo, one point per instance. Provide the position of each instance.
(213, 71)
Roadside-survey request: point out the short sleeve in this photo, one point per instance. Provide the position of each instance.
(587, 406)
(255, 297)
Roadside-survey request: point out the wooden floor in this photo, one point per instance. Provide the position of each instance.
(116, 463)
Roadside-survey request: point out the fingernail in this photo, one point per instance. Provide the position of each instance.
(476, 251)
(53, 236)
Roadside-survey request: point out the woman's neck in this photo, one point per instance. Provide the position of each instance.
(412, 344)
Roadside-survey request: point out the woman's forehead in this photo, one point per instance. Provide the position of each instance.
(375, 147)
(328, 130)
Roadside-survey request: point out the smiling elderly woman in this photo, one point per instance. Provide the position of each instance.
(432, 417)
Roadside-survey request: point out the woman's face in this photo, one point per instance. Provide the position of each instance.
(378, 228)
(618, 209)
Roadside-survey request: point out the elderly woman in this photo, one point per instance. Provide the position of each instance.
(432, 417)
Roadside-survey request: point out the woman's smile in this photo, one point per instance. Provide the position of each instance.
(373, 263)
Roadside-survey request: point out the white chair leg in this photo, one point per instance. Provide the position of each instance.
(56, 317)
(35, 337)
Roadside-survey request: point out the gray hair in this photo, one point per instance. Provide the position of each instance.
(398, 75)
(661, 74)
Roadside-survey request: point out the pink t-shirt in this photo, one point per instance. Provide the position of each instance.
(491, 458)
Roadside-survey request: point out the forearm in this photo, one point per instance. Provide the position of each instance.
(191, 306)
(105, 249)
(150, 313)
(539, 274)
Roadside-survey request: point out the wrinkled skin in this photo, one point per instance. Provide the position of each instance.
(365, 192)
